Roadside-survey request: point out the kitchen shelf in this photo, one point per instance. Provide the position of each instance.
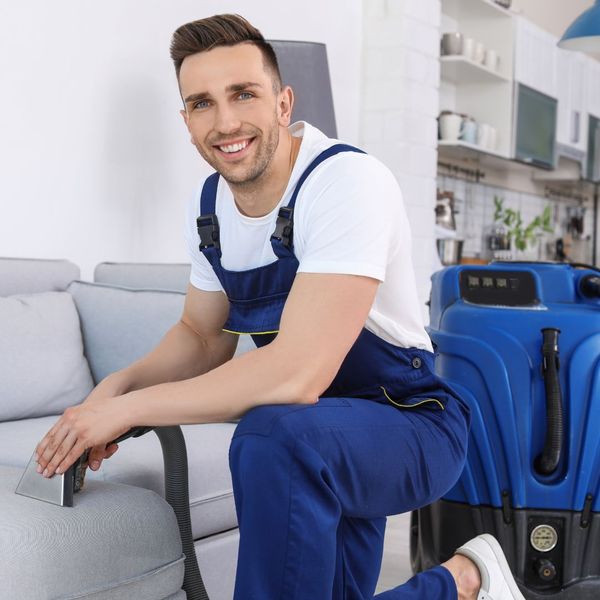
(459, 69)
(458, 149)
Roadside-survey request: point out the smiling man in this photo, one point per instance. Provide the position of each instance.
(303, 242)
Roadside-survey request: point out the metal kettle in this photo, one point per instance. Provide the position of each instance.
(444, 211)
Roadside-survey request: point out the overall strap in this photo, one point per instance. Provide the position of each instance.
(332, 151)
(282, 238)
(207, 223)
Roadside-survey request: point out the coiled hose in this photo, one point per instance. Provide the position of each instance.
(178, 496)
(548, 461)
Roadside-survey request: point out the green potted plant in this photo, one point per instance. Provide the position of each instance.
(522, 236)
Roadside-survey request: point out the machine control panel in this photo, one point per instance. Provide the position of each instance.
(498, 288)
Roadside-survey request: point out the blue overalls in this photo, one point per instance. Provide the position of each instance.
(314, 483)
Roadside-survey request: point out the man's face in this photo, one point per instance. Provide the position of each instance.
(232, 112)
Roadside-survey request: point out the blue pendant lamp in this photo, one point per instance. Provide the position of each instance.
(584, 32)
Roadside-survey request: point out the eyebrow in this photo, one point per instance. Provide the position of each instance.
(234, 87)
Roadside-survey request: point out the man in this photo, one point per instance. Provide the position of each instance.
(304, 243)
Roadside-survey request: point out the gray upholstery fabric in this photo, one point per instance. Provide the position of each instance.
(120, 325)
(217, 559)
(42, 367)
(30, 275)
(153, 276)
(117, 542)
(139, 462)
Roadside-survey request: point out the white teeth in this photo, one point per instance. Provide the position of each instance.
(234, 147)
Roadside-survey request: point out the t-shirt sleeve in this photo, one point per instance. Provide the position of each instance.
(352, 220)
(202, 275)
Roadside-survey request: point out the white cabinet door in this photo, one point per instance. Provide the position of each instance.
(563, 124)
(571, 71)
(535, 57)
(592, 80)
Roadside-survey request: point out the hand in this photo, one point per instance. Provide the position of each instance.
(80, 427)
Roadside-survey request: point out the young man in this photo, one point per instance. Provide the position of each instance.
(305, 244)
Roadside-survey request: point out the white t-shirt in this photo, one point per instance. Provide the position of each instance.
(349, 218)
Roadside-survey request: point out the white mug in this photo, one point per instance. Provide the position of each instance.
(451, 126)
(469, 133)
(469, 48)
(491, 60)
(492, 138)
(479, 52)
(483, 135)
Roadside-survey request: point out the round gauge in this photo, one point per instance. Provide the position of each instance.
(543, 538)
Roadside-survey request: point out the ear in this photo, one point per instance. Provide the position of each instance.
(285, 105)
(186, 120)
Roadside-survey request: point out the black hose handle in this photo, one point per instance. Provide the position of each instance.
(548, 461)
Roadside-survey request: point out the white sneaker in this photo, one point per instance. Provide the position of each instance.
(497, 582)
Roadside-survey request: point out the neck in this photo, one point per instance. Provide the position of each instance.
(261, 196)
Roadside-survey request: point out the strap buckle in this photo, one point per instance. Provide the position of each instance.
(208, 230)
(284, 227)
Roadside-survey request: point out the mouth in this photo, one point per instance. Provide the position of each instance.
(234, 150)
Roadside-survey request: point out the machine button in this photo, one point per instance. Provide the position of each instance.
(487, 282)
(473, 282)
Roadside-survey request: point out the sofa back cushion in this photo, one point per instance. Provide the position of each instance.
(43, 370)
(146, 276)
(31, 275)
(120, 325)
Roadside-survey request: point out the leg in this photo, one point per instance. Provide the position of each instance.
(309, 479)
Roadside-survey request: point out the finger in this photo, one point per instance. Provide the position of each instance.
(43, 444)
(61, 452)
(71, 457)
(53, 442)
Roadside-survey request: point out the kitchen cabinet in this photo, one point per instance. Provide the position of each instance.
(593, 86)
(535, 57)
(571, 69)
(469, 87)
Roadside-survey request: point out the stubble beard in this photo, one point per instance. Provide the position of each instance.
(264, 154)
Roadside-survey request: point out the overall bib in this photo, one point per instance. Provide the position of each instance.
(314, 483)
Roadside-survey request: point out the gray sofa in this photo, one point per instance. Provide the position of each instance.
(60, 336)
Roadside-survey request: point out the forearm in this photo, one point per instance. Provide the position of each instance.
(263, 376)
(181, 354)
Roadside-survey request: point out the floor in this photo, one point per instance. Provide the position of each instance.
(396, 556)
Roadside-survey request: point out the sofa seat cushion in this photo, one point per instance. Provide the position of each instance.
(43, 370)
(117, 542)
(139, 462)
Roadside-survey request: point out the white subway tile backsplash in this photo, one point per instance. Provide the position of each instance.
(419, 36)
(427, 11)
(400, 104)
(375, 8)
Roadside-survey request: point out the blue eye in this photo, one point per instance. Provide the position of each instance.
(201, 104)
(245, 96)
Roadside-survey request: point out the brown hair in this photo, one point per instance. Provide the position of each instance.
(221, 30)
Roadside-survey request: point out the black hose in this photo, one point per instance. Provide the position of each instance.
(590, 286)
(178, 496)
(548, 461)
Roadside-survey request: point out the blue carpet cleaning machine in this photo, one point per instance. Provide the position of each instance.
(520, 342)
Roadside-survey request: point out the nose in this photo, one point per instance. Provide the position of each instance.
(226, 120)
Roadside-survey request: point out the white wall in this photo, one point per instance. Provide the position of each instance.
(552, 15)
(400, 94)
(95, 163)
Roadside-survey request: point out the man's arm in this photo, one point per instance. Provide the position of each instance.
(194, 345)
(323, 316)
